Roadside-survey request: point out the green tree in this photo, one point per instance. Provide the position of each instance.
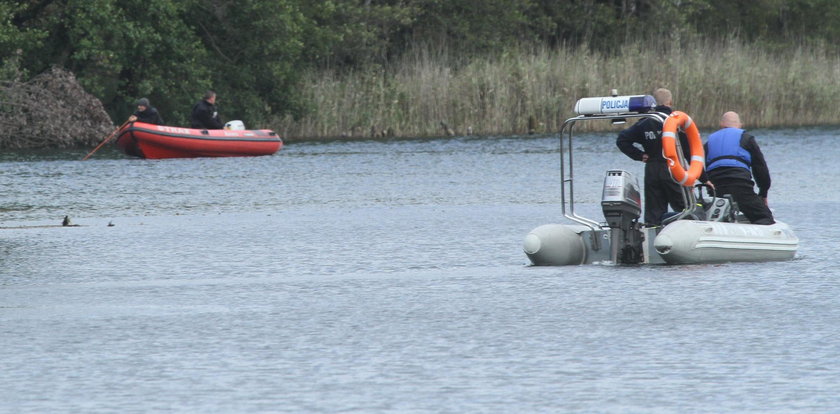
(120, 50)
(162, 58)
(357, 33)
(255, 54)
(15, 41)
(474, 26)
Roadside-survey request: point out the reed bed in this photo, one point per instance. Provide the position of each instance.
(429, 93)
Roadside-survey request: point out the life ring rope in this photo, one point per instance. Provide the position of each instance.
(669, 149)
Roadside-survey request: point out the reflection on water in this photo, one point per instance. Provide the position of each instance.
(388, 277)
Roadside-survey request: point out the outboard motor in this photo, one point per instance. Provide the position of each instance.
(622, 206)
(235, 125)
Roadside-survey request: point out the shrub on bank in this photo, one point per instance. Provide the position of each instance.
(429, 93)
(50, 111)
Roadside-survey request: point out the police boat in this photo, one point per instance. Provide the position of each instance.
(709, 230)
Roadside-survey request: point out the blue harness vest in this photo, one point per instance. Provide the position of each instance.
(725, 150)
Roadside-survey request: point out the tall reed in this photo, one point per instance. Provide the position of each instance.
(427, 90)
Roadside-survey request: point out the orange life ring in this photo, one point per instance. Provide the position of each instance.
(669, 148)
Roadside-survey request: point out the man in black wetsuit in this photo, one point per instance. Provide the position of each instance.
(660, 189)
(204, 113)
(146, 113)
(733, 158)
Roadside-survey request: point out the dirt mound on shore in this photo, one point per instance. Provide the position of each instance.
(51, 111)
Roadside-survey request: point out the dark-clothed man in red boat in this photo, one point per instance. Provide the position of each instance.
(146, 113)
(204, 113)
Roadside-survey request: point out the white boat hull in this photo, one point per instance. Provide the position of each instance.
(688, 241)
(681, 242)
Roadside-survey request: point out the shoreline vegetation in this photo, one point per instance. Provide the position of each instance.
(429, 93)
(362, 69)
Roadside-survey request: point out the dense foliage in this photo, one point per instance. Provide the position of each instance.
(254, 52)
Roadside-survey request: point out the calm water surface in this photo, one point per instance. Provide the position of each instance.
(389, 277)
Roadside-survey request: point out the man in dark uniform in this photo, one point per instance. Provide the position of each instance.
(733, 158)
(146, 113)
(660, 189)
(204, 114)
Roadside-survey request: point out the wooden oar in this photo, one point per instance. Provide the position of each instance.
(105, 141)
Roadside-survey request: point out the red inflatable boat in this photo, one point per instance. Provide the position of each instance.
(159, 141)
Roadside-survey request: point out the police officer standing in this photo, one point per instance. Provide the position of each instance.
(733, 158)
(660, 189)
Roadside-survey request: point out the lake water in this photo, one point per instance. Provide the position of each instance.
(389, 277)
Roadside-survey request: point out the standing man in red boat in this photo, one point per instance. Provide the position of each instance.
(146, 113)
(204, 113)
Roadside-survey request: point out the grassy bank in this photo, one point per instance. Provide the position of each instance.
(424, 91)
